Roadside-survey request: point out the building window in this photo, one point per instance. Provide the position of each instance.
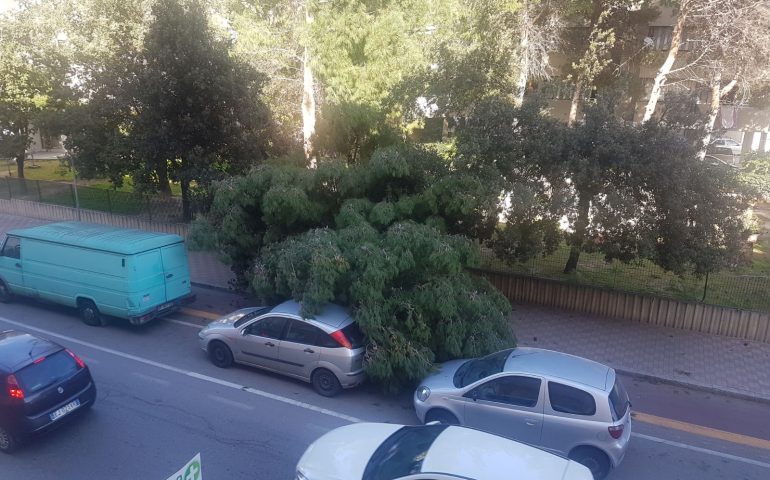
(661, 37)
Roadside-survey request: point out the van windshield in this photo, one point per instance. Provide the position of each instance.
(50, 370)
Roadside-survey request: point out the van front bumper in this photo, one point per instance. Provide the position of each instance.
(161, 310)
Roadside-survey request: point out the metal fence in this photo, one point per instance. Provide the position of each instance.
(152, 208)
(738, 289)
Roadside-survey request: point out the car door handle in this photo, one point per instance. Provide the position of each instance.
(270, 344)
(169, 275)
(18, 265)
(308, 350)
(531, 423)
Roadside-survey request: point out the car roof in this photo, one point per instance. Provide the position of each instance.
(19, 349)
(125, 241)
(559, 365)
(332, 315)
(484, 456)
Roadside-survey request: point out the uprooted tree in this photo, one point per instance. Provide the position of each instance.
(389, 237)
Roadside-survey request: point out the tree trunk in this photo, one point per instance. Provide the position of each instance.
(660, 77)
(717, 92)
(308, 103)
(584, 205)
(186, 211)
(521, 83)
(164, 187)
(573, 108)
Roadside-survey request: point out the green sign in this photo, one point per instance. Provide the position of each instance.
(191, 471)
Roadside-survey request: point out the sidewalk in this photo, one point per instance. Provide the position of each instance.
(715, 363)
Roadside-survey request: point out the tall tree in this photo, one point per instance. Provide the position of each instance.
(32, 69)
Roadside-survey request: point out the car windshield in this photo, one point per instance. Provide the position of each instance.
(479, 368)
(402, 453)
(245, 317)
(619, 400)
(48, 371)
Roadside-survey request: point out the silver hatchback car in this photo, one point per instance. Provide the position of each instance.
(327, 351)
(562, 403)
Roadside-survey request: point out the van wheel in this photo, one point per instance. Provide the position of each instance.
(594, 459)
(5, 293)
(89, 313)
(8, 441)
(441, 416)
(326, 383)
(220, 354)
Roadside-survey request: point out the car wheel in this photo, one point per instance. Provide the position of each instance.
(441, 416)
(89, 313)
(8, 441)
(326, 383)
(220, 354)
(5, 293)
(594, 459)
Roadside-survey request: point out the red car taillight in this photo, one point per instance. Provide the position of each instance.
(81, 363)
(616, 431)
(14, 390)
(340, 338)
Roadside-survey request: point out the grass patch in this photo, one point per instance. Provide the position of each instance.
(747, 287)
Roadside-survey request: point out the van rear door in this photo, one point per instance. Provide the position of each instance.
(175, 271)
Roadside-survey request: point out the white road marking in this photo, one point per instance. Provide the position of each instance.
(232, 403)
(186, 324)
(150, 378)
(188, 373)
(702, 450)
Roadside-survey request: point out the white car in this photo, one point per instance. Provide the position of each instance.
(382, 451)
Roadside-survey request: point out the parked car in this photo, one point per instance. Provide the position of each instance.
(98, 269)
(327, 350)
(563, 403)
(725, 146)
(383, 451)
(44, 383)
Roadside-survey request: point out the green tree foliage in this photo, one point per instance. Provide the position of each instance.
(32, 70)
(626, 191)
(388, 236)
(179, 109)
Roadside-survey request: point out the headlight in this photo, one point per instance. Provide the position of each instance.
(423, 393)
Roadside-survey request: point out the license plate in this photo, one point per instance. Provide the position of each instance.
(65, 410)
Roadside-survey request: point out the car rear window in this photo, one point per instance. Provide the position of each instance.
(354, 335)
(402, 453)
(571, 400)
(619, 400)
(49, 371)
(479, 368)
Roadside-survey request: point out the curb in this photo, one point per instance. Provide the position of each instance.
(728, 392)
(217, 288)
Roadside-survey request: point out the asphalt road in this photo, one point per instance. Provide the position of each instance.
(160, 402)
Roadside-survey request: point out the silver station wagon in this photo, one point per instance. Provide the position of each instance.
(327, 350)
(562, 403)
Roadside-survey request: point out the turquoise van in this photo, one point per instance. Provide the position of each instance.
(100, 270)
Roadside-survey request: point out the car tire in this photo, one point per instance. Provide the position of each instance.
(593, 458)
(326, 383)
(5, 293)
(8, 441)
(441, 416)
(220, 354)
(89, 313)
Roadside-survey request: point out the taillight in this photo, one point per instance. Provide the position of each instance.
(77, 359)
(616, 431)
(340, 338)
(14, 390)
